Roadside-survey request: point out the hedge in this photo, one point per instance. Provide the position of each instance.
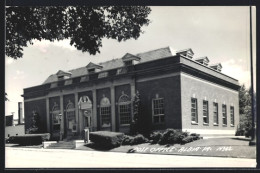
(106, 139)
(29, 139)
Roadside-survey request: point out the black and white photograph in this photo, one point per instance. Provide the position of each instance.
(130, 87)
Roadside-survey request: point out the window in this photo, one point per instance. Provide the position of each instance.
(105, 112)
(194, 111)
(215, 113)
(232, 118)
(102, 75)
(205, 112)
(105, 116)
(158, 110)
(91, 70)
(124, 109)
(127, 63)
(224, 114)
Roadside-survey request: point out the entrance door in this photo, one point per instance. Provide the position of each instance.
(56, 121)
(71, 124)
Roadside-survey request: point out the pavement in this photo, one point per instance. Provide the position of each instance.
(62, 158)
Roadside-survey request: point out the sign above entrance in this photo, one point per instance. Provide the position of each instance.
(85, 103)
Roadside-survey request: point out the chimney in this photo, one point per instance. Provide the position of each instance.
(20, 113)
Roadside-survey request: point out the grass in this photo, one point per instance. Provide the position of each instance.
(215, 147)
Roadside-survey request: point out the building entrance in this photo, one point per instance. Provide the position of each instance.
(70, 121)
(85, 109)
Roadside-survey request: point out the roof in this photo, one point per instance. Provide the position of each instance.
(129, 56)
(92, 65)
(185, 50)
(63, 73)
(202, 59)
(116, 63)
(215, 65)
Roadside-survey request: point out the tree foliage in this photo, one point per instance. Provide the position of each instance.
(245, 112)
(35, 126)
(136, 109)
(84, 26)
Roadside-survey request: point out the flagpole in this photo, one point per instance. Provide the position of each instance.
(253, 134)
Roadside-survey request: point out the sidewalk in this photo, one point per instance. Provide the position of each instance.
(62, 158)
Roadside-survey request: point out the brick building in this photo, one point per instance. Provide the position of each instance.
(176, 91)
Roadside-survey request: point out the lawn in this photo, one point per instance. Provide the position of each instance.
(215, 147)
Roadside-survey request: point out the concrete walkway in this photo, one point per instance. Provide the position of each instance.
(62, 158)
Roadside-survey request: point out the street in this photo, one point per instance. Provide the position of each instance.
(62, 158)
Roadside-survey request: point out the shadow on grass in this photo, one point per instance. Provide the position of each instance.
(98, 147)
(242, 139)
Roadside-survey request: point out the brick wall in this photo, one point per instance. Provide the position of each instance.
(203, 90)
(167, 88)
(40, 107)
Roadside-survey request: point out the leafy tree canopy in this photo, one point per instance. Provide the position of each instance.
(84, 26)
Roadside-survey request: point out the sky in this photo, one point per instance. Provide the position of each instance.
(220, 33)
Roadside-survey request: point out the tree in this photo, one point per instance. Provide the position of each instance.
(84, 26)
(245, 112)
(35, 126)
(136, 106)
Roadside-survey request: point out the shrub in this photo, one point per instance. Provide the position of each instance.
(195, 136)
(138, 139)
(127, 140)
(106, 139)
(187, 139)
(29, 139)
(171, 136)
(155, 137)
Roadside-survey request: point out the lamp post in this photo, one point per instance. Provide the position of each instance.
(60, 117)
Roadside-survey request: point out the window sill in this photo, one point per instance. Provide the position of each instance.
(224, 125)
(206, 124)
(194, 123)
(231, 125)
(215, 124)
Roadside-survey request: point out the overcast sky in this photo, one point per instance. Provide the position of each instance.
(220, 33)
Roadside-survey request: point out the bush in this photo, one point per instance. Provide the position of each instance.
(155, 137)
(195, 136)
(171, 136)
(29, 139)
(106, 139)
(187, 139)
(130, 140)
(127, 140)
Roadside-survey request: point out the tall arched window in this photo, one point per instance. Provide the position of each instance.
(105, 112)
(55, 116)
(70, 117)
(124, 109)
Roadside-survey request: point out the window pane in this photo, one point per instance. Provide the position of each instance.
(194, 117)
(158, 110)
(105, 115)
